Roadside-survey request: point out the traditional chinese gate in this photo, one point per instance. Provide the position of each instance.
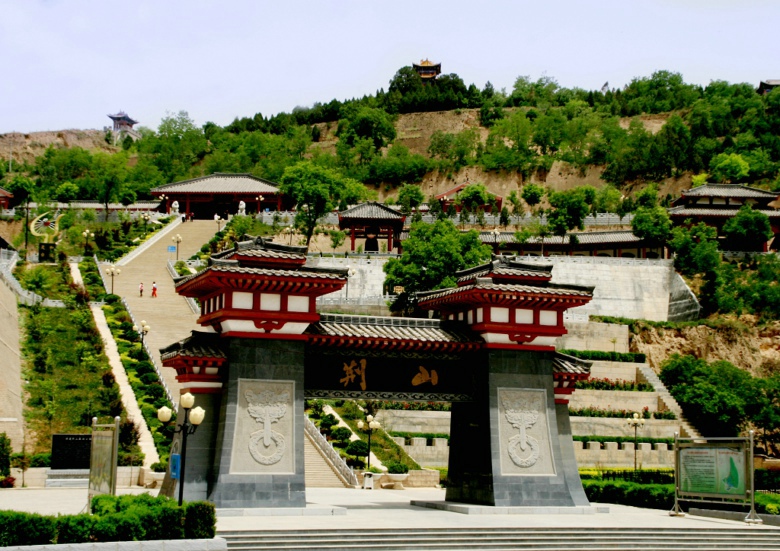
(491, 354)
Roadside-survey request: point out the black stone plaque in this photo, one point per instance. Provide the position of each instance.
(358, 375)
(70, 451)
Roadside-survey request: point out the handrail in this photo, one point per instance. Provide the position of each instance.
(343, 471)
(23, 295)
(149, 242)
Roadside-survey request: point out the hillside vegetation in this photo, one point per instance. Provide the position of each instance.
(657, 128)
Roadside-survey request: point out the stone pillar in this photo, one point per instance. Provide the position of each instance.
(511, 446)
(259, 443)
(200, 450)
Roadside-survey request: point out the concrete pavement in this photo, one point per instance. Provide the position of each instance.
(389, 509)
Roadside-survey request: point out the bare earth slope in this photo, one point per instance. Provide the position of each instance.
(26, 147)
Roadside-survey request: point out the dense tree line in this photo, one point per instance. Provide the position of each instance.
(726, 130)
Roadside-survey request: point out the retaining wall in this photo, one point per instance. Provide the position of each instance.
(607, 337)
(11, 420)
(615, 400)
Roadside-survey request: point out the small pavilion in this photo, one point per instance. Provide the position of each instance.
(5, 198)
(220, 193)
(122, 122)
(427, 69)
(450, 197)
(715, 204)
(372, 221)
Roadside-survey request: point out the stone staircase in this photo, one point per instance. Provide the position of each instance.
(647, 375)
(67, 478)
(549, 539)
(319, 473)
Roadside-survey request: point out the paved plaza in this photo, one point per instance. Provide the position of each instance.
(380, 509)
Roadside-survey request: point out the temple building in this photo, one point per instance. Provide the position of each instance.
(767, 86)
(373, 222)
(427, 70)
(221, 194)
(715, 204)
(5, 199)
(123, 126)
(450, 198)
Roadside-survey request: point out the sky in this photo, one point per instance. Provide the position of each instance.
(69, 63)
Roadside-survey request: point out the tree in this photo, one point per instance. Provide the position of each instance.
(317, 190)
(534, 229)
(337, 239)
(568, 210)
(748, 230)
(431, 256)
(715, 397)
(695, 249)
(652, 224)
(410, 196)
(729, 167)
(608, 199)
(474, 197)
(368, 123)
(5, 454)
(532, 194)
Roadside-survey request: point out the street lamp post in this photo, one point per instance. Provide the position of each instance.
(165, 198)
(177, 239)
(142, 330)
(635, 421)
(86, 234)
(113, 271)
(496, 234)
(258, 199)
(218, 220)
(369, 427)
(192, 419)
(146, 217)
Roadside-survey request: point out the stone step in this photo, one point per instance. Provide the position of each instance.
(319, 473)
(504, 538)
(67, 483)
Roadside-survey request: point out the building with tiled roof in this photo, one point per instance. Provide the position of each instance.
(450, 198)
(220, 193)
(372, 221)
(428, 70)
(5, 198)
(715, 204)
(766, 86)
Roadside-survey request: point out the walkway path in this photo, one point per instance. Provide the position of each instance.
(145, 441)
(169, 316)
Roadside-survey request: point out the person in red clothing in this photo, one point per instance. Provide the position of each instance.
(154, 289)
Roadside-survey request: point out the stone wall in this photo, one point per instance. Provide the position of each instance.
(414, 421)
(434, 455)
(615, 400)
(611, 426)
(625, 371)
(11, 420)
(613, 455)
(607, 337)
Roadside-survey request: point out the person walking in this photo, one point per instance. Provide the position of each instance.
(154, 289)
(141, 289)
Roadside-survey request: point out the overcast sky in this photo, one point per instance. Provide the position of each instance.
(68, 63)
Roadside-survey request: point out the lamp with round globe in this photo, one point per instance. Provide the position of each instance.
(142, 330)
(113, 271)
(635, 421)
(369, 427)
(193, 417)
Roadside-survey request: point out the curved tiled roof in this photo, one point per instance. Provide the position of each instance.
(568, 290)
(586, 238)
(725, 212)
(198, 345)
(728, 190)
(371, 211)
(234, 268)
(220, 182)
(563, 363)
(505, 271)
(378, 327)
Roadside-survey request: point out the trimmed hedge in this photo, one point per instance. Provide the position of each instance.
(631, 357)
(114, 518)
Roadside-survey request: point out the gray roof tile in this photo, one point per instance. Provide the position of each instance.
(371, 210)
(377, 327)
(725, 212)
(563, 363)
(220, 183)
(728, 190)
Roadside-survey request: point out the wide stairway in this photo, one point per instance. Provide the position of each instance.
(169, 316)
(319, 473)
(548, 539)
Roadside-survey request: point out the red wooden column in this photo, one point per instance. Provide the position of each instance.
(352, 237)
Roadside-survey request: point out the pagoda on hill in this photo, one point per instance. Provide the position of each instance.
(427, 69)
(123, 126)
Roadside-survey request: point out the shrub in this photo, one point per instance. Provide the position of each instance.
(200, 520)
(396, 467)
(159, 467)
(653, 496)
(342, 434)
(5, 454)
(315, 408)
(327, 422)
(350, 410)
(26, 529)
(7, 481)
(632, 357)
(357, 448)
(40, 460)
(75, 528)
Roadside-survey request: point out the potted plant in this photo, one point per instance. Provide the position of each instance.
(397, 472)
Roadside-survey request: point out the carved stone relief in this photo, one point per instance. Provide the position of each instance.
(524, 433)
(263, 441)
